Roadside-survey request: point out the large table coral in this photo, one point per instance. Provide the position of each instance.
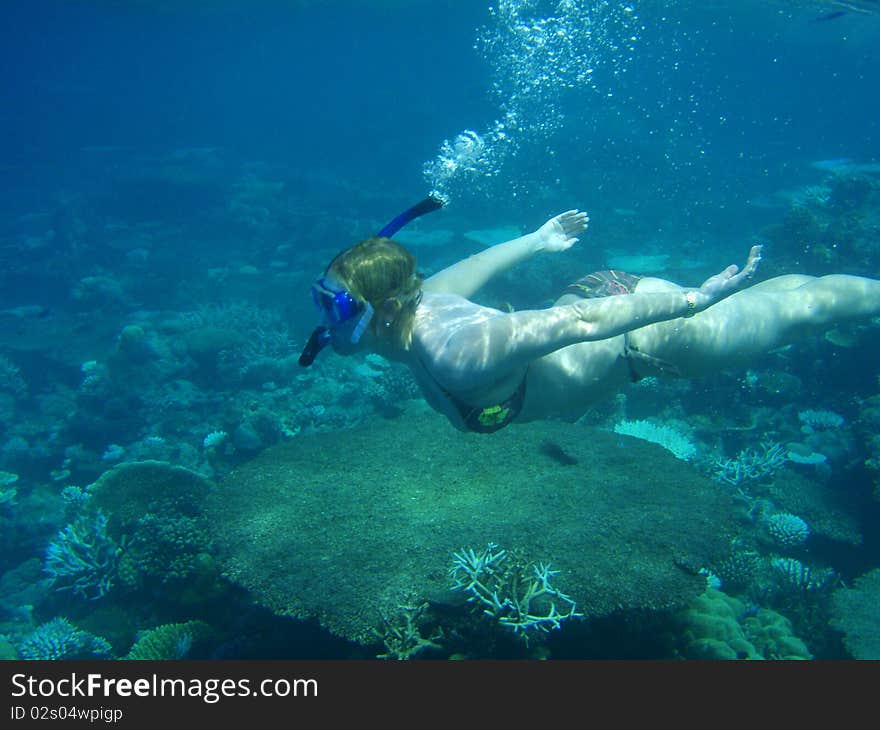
(347, 527)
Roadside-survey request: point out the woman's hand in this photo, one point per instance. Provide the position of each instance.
(722, 285)
(560, 232)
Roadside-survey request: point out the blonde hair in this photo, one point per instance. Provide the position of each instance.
(382, 272)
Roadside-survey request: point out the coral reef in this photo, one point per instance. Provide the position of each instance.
(318, 531)
(797, 578)
(169, 641)
(856, 612)
(787, 530)
(832, 223)
(402, 633)
(718, 626)
(828, 512)
(11, 380)
(163, 361)
(60, 639)
(156, 509)
(514, 592)
(750, 465)
(83, 558)
(670, 439)
(8, 490)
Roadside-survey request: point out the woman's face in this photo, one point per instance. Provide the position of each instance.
(346, 319)
(341, 338)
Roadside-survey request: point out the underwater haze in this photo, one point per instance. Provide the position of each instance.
(174, 176)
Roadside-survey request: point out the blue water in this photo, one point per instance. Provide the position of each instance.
(162, 166)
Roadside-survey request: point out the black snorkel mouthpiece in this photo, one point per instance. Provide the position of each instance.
(318, 340)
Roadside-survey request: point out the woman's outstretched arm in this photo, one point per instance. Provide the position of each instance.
(466, 277)
(492, 343)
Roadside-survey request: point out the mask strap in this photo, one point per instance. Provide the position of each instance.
(362, 324)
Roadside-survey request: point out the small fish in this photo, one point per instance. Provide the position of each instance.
(847, 7)
(557, 453)
(865, 7)
(829, 16)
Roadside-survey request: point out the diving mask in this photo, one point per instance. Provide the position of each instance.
(338, 307)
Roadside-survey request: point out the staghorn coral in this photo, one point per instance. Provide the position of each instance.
(750, 465)
(168, 549)
(401, 633)
(514, 592)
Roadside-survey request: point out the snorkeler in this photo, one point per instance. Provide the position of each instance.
(484, 368)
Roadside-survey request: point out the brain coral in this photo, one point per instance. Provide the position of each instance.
(718, 626)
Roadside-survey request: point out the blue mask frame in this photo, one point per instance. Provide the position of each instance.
(338, 307)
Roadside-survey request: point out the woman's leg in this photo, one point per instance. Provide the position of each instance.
(756, 320)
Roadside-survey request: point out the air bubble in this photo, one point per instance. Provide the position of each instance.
(541, 53)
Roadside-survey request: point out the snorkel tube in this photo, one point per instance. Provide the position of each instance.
(318, 340)
(428, 205)
(320, 337)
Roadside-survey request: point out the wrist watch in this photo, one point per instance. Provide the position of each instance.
(691, 297)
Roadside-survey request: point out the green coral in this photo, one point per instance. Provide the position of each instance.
(169, 641)
(718, 626)
(856, 612)
(60, 639)
(131, 490)
(169, 550)
(346, 542)
(156, 508)
(773, 636)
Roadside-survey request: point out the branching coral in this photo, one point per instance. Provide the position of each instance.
(60, 639)
(518, 595)
(402, 633)
(750, 464)
(670, 439)
(83, 558)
